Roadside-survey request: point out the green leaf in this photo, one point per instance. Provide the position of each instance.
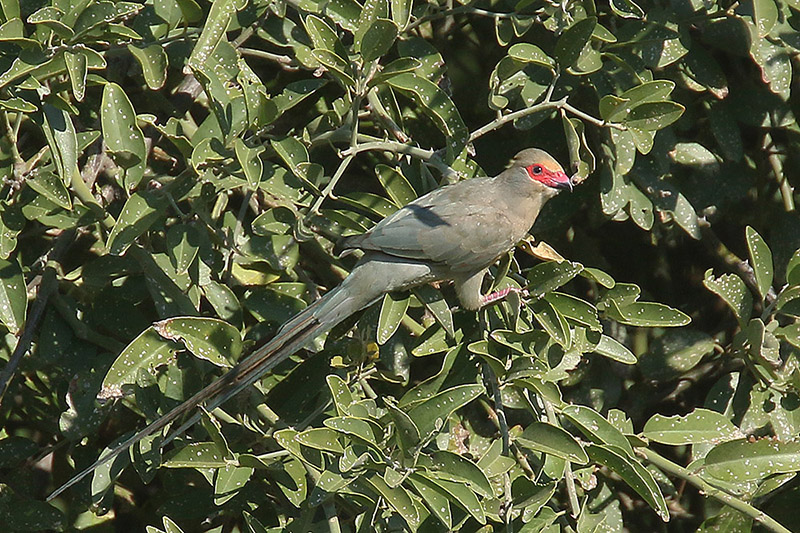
(699, 426)
(395, 184)
(393, 309)
(652, 116)
(551, 275)
(230, 480)
(183, 242)
(210, 339)
(13, 296)
(571, 43)
(147, 351)
(436, 104)
(371, 203)
(596, 428)
(219, 17)
(745, 460)
(140, 211)
(341, 69)
(401, 12)
(609, 347)
(760, 260)
(154, 62)
(51, 187)
(406, 430)
(366, 430)
(323, 36)
(398, 498)
(250, 161)
(648, 314)
(124, 140)
(627, 9)
(765, 16)
(634, 474)
(553, 323)
(437, 305)
(530, 53)
(793, 269)
(77, 69)
(435, 498)
(23, 513)
(674, 353)
(433, 412)
(575, 309)
(733, 291)
(196, 455)
(459, 494)
(463, 470)
(101, 14)
(63, 141)
(378, 39)
(552, 440)
(51, 17)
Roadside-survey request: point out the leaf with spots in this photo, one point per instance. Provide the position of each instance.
(142, 210)
(147, 351)
(60, 133)
(183, 242)
(732, 289)
(745, 460)
(438, 105)
(633, 473)
(210, 339)
(431, 413)
(647, 314)
(552, 440)
(219, 17)
(596, 427)
(13, 296)
(699, 426)
(230, 480)
(101, 13)
(760, 260)
(77, 68)
(154, 62)
(393, 309)
(124, 139)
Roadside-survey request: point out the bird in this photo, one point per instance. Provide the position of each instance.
(453, 233)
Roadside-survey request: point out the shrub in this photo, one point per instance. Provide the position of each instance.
(175, 177)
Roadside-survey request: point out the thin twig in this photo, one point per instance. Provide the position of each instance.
(731, 501)
(542, 106)
(461, 10)
(46, 287)
(429, 156)
(787, 193)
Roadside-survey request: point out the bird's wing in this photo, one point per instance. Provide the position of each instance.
(453, 226)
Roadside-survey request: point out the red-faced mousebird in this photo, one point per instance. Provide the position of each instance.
(453, 233)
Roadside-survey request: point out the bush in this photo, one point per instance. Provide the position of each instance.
(175, 177)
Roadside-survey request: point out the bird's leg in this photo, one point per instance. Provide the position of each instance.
(494, 296)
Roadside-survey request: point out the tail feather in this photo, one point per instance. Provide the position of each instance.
(372, 277)
(295, 334)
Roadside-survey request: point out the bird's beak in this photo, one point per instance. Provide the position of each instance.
(562, 181)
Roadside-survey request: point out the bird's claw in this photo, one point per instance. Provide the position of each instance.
(495, 296)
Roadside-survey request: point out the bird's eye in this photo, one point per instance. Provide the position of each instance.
(537, 169)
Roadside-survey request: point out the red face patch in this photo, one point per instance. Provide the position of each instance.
(555, 179)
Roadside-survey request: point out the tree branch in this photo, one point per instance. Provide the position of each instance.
(712, 492)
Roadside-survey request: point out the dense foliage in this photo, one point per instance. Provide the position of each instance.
(176, 173)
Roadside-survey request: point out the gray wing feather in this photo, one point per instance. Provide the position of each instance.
(447, 226)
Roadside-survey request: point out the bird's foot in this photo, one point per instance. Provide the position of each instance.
(492, 297)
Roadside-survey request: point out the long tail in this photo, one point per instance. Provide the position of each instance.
(349, 297)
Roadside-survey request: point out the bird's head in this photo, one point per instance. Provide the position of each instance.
(542, 168)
